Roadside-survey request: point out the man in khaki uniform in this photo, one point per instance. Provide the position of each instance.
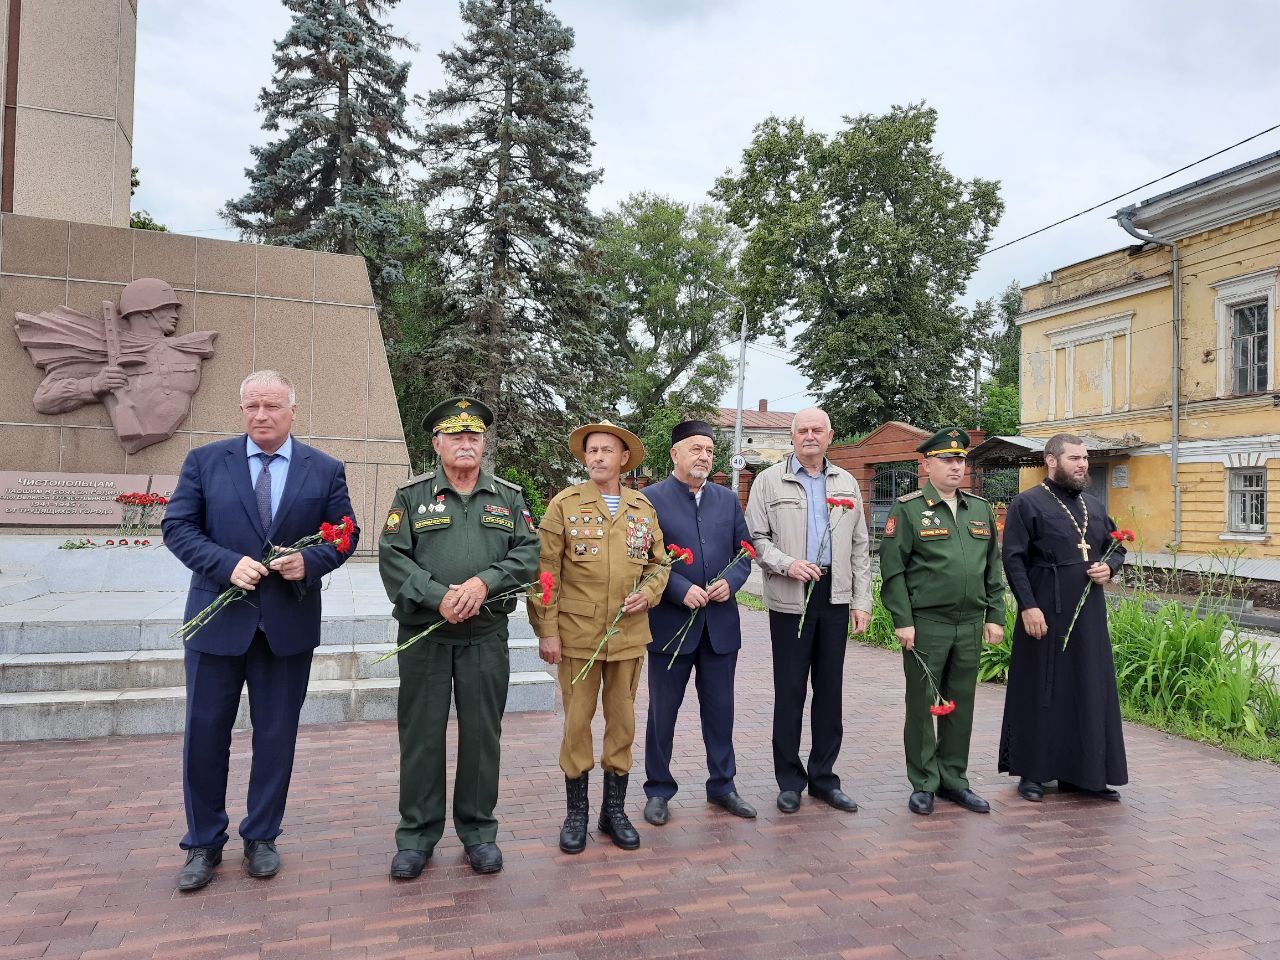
(599, 541)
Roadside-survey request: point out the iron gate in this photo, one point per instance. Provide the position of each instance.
(890, 481)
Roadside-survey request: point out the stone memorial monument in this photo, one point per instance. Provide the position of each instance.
(121, 349)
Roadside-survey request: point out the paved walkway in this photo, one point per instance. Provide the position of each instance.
(1187, 866)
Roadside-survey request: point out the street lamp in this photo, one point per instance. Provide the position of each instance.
(742, 373)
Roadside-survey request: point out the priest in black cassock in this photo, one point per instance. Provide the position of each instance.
(1061, 711)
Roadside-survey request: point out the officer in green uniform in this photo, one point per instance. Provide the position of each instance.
(941, 583)
(452, 539)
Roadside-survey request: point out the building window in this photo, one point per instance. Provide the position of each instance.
(1249, 348)
(1245, 308)
(1247, 500)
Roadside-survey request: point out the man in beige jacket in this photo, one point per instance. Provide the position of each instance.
(599, 541)
(802, 541)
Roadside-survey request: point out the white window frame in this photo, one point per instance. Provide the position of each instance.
(1237, 292)
(1252, 459)
(1106, 329)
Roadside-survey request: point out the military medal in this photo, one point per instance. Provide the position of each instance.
(422, 508)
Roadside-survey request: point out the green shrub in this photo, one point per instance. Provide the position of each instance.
(1177, 662)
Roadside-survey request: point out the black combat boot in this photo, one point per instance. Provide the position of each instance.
(613, 814)
(573, 835)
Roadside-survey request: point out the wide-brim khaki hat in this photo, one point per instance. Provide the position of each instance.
(578, 443)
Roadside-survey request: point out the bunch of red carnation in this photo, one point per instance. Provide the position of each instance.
(842, 502)
(142, 499)
(339, 535)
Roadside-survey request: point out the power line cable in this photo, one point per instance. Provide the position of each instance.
(1121, 196)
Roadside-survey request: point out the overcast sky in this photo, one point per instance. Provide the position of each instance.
(1066, 104)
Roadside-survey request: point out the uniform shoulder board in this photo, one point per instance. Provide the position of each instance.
(907, 497)
(508, 484)
(430, 475)
(976, 497)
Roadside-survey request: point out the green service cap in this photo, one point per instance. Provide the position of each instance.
(458, 414)
(947, 442)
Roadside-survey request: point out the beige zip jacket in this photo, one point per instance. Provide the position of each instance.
(777, 516)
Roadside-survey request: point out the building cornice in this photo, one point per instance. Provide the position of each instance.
(1094, 299)
(1234, 195)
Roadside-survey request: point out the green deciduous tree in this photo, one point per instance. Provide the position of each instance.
(866, 240)
(507, 151)
(1005, 342)
(664, 268)
(337, 96)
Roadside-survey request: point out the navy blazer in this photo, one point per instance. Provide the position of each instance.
(714, 531)
(212, 521)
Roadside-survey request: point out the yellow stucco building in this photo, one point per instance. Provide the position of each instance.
(1162, 355)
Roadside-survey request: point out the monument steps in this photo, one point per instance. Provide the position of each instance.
(16, 587)
(87, 651)
(138, 669)
(81, 714)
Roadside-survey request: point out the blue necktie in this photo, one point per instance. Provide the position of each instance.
(262, 490)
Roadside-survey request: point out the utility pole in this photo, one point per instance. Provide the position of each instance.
(742, 375)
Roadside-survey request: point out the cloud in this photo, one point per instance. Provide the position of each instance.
(1065, 105)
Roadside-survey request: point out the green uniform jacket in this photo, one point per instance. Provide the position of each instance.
(940, 567)
(434, 537)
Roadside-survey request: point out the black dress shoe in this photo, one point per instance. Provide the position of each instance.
(1030, 790)
(408, 864)
(198, 870)
(734, 804)
(789, 801)
(484, 857)
(921, 802)
(1106, 793)
(655, 811)
(835, 798)
(261, 859)
(966, 798)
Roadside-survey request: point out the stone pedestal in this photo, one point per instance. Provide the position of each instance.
(308, 315)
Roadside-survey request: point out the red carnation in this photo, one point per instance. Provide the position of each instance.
(748, 549)
(834, 502)
(343, 544)
(942, 709)
(328, 532)
(146, 543)
(111, 543)
(688, 555)
(548, 582)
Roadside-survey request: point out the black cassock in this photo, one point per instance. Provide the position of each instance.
(1061, 711)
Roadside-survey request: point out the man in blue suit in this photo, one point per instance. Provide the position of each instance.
(706, 518)
(234, 497)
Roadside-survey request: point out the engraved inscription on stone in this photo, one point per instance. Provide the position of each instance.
(127, 359)
(1120, 476)
(72, 499)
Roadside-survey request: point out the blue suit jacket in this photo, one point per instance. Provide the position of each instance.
(714, 532)
(212, 521)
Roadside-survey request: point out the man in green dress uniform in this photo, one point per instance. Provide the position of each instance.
(941, 583)
(453, 538)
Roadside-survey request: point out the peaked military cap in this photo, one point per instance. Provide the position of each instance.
(947, 442)
(458, 414)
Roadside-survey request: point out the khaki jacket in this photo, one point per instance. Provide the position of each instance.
(598, 559)
(777, 516)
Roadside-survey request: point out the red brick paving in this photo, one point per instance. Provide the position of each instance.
(1187, 866)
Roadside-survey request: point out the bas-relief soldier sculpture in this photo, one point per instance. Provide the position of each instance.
(128, 360)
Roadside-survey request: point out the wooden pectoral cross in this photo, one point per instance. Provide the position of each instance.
(1084, 550)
